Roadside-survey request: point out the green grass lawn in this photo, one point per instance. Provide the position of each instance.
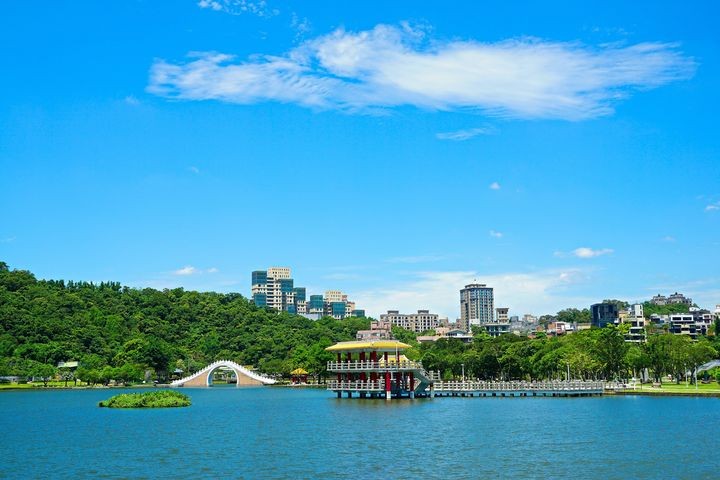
(671, 387)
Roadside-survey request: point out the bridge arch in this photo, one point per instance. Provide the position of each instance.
(203, 378)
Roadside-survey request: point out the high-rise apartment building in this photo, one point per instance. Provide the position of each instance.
(476, 305)
(275, 288)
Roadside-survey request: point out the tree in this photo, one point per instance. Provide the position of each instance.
(610, 350)
(43, 371)
(699, 353)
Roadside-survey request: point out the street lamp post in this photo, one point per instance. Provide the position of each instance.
(463, 372)
(568, 371)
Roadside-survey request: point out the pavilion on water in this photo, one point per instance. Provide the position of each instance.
(376, 369)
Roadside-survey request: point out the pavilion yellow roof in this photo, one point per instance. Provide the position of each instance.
(379, 345)
(299, 371)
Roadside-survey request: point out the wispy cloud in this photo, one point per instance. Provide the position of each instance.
(585, 252)
(461, 135)
(194, 170)
(713, 207)
(131, 100)
(240, 7)
(7, 239)
(517, 78)
(186, 270)
(301, 26)
(535, 292)
(496, 234)
(190, 270)
(668, 239)
(494, 186)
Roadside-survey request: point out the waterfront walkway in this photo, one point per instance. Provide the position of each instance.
(573, 388)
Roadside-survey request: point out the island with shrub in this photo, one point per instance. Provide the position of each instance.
(155, 399)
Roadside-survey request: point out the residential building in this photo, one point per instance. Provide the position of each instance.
(703, 320)
(274, 288)
(603, 314)
(675, 298)
(636, 318)
(337, 305)
(495, 329)
(501, 315)
(683, 324)
(379, 330)
(679, 298)
(476, 305)
(659, 300)
(419, 322)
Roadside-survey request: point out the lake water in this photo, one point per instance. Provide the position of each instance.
(284, 433)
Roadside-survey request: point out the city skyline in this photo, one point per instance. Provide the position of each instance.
(215, 138)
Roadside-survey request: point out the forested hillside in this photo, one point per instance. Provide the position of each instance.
(109, 325)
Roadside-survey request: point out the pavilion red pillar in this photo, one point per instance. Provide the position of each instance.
(373, 359)
(387, 377)
(348, 358)
(362, 359)
(339, 359)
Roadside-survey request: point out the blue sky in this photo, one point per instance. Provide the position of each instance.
(561, 153)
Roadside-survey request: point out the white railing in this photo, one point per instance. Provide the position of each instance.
(357, 385)
(473, 386)
(239, 369)
(365, 365)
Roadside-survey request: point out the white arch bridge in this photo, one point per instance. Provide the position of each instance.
(203, 378)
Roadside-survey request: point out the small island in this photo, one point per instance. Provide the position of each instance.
(161, 399)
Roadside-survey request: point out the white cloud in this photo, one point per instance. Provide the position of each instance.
(194, 170)
(301, 26)
(240, 7)
(7, 240)
(390, 66)
(131, 100)
(461, 135)
(212, 270)
(186, 270)
(585, 252)
(535, 292)
(495, 234)
(668, 238)
(494, 186)
(713, 207)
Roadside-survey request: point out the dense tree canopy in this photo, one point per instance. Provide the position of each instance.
(120, 333)
(108, 325)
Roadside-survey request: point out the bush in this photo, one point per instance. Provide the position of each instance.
(157, 399)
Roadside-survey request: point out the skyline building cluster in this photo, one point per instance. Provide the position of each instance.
(275, 288)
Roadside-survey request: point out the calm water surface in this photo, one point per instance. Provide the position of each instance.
(283, 433)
